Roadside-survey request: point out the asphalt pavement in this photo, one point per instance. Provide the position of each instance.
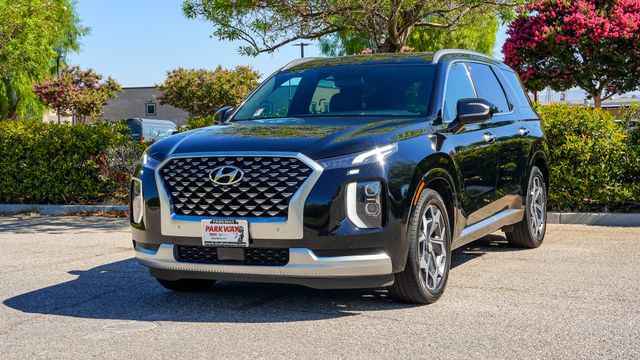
(70, 289)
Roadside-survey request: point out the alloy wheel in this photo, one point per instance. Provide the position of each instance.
(537, 207)
(432, 248)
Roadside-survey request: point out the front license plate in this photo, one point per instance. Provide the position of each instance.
(225, 233)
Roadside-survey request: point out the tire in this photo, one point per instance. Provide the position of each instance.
(410, 285)
(187, 285)
(529, 233)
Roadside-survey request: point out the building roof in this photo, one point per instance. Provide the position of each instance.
(132, 102)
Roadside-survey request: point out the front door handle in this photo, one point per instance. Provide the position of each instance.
(489, 138)
(523, 131)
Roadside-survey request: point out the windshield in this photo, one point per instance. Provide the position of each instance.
(349, 90)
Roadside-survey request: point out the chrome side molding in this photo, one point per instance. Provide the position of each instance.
(488, 226)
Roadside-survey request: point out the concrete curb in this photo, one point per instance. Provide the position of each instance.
(13, 209)
(599, 219)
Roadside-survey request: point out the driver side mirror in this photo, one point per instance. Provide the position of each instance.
(474, 110)
(222, 115)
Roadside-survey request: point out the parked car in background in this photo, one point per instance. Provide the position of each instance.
(150, 130)
(350, 172)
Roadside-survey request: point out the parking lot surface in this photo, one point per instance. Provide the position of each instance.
(70, 289)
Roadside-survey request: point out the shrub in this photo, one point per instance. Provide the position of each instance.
(118, 163)
(201, 92)
(198, 122)
(61, 164)
(592, 163)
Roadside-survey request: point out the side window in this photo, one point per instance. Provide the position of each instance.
(521, 98)
(458, 87)
(488, 86)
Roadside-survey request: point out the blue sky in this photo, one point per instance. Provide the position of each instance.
(138, 41)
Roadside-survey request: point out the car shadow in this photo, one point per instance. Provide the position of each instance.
(124, 290)
(488, 244)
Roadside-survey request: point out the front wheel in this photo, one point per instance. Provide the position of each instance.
(529, 233)
(425, 275)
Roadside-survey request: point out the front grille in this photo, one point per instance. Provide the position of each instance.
(264, 191)
(252, 256)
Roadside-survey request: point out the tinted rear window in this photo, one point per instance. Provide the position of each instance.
(520, 97)
(488, 87)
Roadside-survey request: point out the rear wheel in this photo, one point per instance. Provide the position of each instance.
(187, 285)
(529, 233)
(425, 275)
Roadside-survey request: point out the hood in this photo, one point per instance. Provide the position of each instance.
(315, 137)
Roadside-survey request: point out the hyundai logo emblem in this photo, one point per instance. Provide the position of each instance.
(226, 175)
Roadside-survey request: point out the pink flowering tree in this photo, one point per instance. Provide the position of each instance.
(591, 44)
(77, 92)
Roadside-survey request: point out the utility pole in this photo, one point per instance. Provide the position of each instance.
(302, 45)
(60, 53)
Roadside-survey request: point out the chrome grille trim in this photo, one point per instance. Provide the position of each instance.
(275, 228)
(264, 189)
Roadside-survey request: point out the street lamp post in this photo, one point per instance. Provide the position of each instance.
(60, 53)
(302, 45)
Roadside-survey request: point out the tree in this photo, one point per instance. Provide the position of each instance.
(78, 93)
(592, 44)
(201, 92)
(33, 34)
(386, 25)
(476, 31)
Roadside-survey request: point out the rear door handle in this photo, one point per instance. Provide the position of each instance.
(523, 131)
(489, 138)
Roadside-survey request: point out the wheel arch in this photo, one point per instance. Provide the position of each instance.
(538, 159)
(438, 172)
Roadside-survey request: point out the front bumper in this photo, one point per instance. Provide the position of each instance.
(325, 249)
(304, 268)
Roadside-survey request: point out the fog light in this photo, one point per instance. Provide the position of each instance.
(364, 205)
(372, 209)
(137, 202)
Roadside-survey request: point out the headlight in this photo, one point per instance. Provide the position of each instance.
(364, 204)
(378, 154)
(137, 201)
(145, 158)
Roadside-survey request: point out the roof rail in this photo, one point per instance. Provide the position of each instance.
(299, 61)
(441, 53)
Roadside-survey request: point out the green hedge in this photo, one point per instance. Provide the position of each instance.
(199, 122)
(61, 164)
(594, 161)
(594, 164)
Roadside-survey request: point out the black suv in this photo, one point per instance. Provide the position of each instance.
(349, 172)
